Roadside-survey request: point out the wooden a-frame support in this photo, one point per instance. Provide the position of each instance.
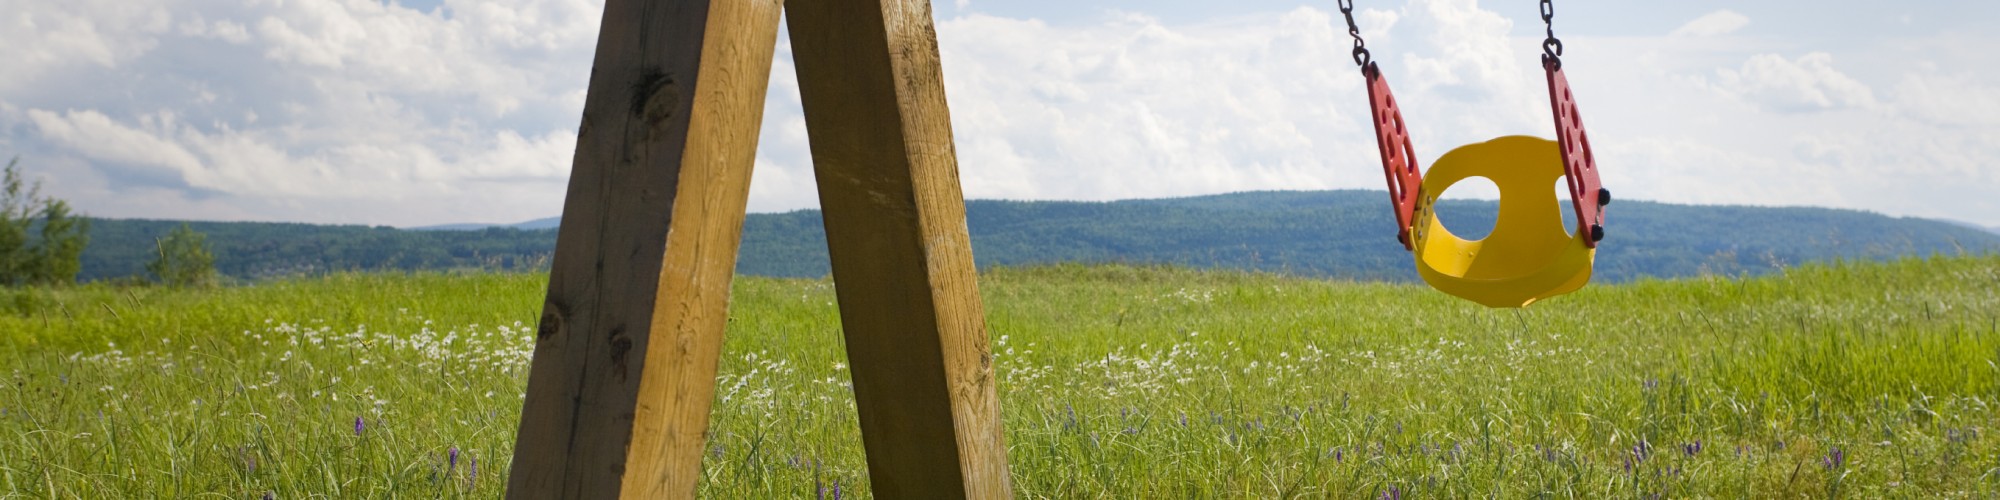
(626, 353)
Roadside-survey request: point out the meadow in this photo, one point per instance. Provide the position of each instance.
(1825, 380)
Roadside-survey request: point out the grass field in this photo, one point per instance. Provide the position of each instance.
(1846, 380)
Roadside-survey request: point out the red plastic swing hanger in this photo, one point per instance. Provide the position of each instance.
(1399, 161)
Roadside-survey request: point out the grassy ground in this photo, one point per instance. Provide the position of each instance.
(1854, 380)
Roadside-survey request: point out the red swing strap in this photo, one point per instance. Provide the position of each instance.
(1392, 139)
(1586, 195)
(1399, 159)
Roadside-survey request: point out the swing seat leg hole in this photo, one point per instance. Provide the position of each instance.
(1468, 208)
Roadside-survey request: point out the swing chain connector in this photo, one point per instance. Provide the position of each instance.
(1361, 55)
(1552, 47)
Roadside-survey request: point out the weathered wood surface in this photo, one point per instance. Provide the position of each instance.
(881, 143)
(625, 357)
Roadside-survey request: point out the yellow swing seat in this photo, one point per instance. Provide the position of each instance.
(1529, 255)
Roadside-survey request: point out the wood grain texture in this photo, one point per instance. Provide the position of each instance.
(872, 86)
(625, 356)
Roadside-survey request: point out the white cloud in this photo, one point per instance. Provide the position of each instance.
(236, 162)
(98, 138)
(1956, 100)
(1809, 83)
(1457, 45)
(313, 110)
(1130, 107)
(49, 36)
(1721, 22)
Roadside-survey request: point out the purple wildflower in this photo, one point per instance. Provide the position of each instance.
(819, 488)
(1955, 436)
(1393, 493)
(471, 471)
(359, 425)
(836, 490)
(1835, 459)
(453, 460)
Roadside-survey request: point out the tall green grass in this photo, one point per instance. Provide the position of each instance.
(1837, 380)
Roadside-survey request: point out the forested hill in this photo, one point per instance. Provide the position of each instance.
(1341, 234)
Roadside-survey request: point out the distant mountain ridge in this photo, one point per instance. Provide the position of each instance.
(1990, 229)
(1334, 234)
(548, 223)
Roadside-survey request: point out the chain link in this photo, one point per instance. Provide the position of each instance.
(1552, 48)
(1361, 56)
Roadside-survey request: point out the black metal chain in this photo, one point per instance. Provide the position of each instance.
(1361, 56)
(1552, 48)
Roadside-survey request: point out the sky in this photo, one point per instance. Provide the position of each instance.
(421, 112)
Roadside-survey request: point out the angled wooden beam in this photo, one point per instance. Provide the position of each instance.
(873, 91)
(625, 356)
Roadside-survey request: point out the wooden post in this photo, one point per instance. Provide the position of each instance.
(873, 91)
(625, 357)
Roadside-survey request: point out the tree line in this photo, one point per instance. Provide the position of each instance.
(1325, 234)
(42, 240)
